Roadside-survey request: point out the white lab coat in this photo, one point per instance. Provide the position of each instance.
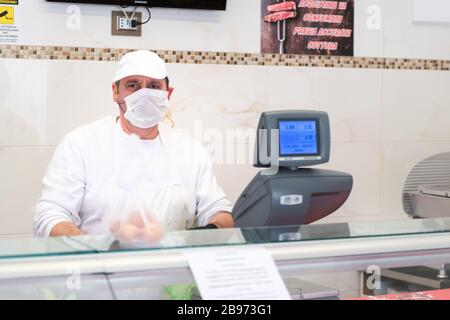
(97, 165)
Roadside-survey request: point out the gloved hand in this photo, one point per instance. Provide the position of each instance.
(135, 229)
(208, 226)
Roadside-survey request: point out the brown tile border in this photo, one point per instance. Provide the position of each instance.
(222, 58)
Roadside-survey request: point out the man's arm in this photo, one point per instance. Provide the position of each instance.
(56, 212)
(222, 219)
(65, 229)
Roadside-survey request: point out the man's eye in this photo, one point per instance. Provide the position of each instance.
(154, 86)
(131, 85)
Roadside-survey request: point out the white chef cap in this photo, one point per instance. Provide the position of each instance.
(141, 63)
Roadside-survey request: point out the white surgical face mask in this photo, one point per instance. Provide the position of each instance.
(146, 107)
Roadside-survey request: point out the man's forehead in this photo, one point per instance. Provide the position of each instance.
(141, 78)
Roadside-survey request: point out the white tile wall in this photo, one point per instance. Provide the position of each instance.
(404, 38)
(43, 100)
(414, 126)
(228, 89)
(78, 92)
(351, 98)
(212, 99)
(368, 38)
(22, 102)
(21, 172)
(416, 106)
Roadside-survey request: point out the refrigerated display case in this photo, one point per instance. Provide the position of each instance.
(100, 267)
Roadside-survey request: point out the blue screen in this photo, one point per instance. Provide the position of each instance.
(298, 137)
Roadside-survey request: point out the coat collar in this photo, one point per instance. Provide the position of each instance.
(166, 133)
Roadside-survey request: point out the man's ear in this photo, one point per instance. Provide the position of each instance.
(170, 90)
(115, 90)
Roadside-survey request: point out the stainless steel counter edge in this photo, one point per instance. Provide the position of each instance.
(364, 250)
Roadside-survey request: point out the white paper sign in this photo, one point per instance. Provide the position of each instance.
(9, 31)
(236, 273)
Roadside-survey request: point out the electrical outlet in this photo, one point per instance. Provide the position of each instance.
(124, 23)
(122, 26)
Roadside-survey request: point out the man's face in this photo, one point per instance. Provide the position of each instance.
(132, 84)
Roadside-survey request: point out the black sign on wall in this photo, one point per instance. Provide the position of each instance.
(307, 27)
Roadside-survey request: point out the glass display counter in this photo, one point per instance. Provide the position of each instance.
(309, 259)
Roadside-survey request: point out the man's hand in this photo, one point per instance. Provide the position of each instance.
(136, 229)
(222, 219)
(65, 229)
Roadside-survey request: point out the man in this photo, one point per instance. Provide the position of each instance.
(100, 168)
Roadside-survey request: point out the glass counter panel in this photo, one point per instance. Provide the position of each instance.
(174, 239)
(399, 227)
(315, 232)
(202, 238)
(86, 287)
(173, 286)
(12, 248)
(153, 285)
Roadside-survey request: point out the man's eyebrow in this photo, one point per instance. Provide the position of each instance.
(155, 82)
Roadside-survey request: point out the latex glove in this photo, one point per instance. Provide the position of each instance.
(135, 229)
